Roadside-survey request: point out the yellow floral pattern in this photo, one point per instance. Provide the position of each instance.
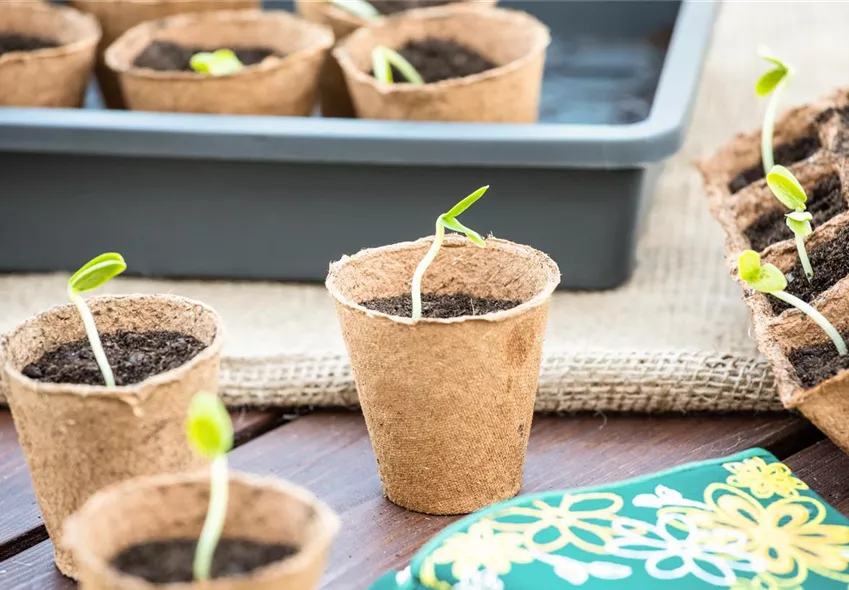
(480, 548)
(764, 480)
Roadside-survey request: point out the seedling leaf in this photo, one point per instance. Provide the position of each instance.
(765, 278)
(96, 272)
(800, 223)
(768, 82)
(786, 188)
(382, 58)
(452, 224)
(359, 8)
(208, 427)
(467, 202)
(222, 62)
(765, 53)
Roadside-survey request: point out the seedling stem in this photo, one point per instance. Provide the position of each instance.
(382, 60)
(771, 83)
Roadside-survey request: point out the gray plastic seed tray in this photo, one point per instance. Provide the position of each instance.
(279, 198)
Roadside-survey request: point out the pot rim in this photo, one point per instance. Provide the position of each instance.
(452, 241)
(134, 392)
(328, 527)
(89, 30)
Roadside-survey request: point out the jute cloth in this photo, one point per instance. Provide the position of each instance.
(676, 338)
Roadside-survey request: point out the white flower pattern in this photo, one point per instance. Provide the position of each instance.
(578, 573)
(480, 580)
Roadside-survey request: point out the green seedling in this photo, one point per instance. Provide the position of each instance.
(96, 272)
(210, 433)
(445, 221)
(766, 278)
(221, 62)
(792, 195)
(382, 60)
(771, 83)
(359, 8)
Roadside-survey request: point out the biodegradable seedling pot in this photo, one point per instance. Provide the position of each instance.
(276, 86)
(50, 77)
(79, 438)
(509, 93)
(335, 100)
(448, 402)
(160, 508)
(118, 16)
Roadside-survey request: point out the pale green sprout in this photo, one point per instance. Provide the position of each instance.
(359, 8)
(766, 278)
(221, 62)
(210, 433)
(772, 82)
(94, 273)
(446, 220)
(792, 195)
(382, 60)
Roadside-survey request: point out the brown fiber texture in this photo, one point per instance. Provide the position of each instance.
(448, 402)
(78, 438)
(335, 99)
(118, 16)
(276, 86)
(509, 93)
(262, 509)
(826, 405)
(53, 77)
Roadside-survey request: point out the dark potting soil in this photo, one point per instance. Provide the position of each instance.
(830, 263)
(164, 562)
(816, 364)
(15, 42)
(439, 306)
(133, 356)
(393, 6)
(824, 202)
(165, 56)
(441, 59)
(785, 154)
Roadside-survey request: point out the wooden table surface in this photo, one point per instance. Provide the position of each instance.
(329, 453)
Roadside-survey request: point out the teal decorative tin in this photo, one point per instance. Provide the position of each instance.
(744, 522)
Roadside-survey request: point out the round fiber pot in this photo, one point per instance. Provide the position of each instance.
(335, 100)
(118, 16)
(448, 402)
(275, 86)
(50, 77)
(78, 439)
(264, 510)
(509, 93)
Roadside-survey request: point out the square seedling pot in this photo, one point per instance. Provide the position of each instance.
(812, 141)
(240, 196)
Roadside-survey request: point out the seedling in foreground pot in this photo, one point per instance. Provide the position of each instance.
(221, 62)
(96, 272)
(382, 60)
(210, 433)
(767, 278)
(359, 8)
(446, 220)
(771, 83)
(792, 195)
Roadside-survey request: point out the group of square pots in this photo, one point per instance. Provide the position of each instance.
(448, 402)
(813, 142)
(297, 65)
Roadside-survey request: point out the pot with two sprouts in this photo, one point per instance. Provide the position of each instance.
(445, 339)
(99, 388)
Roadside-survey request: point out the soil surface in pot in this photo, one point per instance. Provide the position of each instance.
(824, 202)
(785, 154)
(439, 306)
(393, 6)
(830, 262)
(165, 56)
(816, 364)
(133, 356)
(15, 42)
(163, 562)
(441, 59)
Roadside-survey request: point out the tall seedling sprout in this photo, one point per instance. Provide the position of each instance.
(210, 433)
(96, 272)
(767, 278)
(382, 60)
(359, 8)
(772, 83)
(446, 220)
(792, 195)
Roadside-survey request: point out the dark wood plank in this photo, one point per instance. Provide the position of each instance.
(824, 466)
(330, 454)
(33, 570)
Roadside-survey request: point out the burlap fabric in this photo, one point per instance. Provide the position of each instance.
(262, 509)
(675, 338)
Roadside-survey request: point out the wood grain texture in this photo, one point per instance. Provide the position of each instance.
(824, 467)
